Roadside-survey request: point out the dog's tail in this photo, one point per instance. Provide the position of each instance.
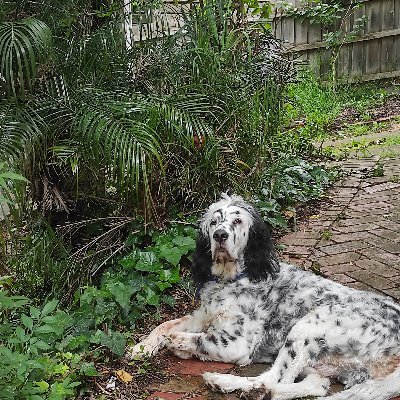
(373, 389)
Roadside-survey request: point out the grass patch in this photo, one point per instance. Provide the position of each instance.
(313, 107)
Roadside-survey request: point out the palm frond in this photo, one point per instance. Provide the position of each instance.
(124, 147)
(23, 135)
(23, 45)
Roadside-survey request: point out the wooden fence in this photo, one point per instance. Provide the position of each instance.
(373, 54)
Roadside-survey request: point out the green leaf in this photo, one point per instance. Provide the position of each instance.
(184, 242)
(22, 45)
(88, 369)
(13, 176)
(49, 307)
(27, 321)
(20, 333)
(115, 341)
(122, 293)
(43, 385)
(46, 329)
(40, 344)
(170, 275)
(151, 296)
(171, 253)
(35, 312)
(148, 262)
(170, 300)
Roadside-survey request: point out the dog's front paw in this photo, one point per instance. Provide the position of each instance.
(182, 342)
(138, 351)
(227, 383)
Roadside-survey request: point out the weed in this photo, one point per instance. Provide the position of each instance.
(378, 170)
(395, 178)
(326, 234)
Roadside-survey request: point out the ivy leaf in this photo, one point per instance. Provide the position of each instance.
(171, 253)
(151, 296)
(88, 369)
(163, 285)
(170, 300)
(185, 243)
(115, 341)
(148, 261)
(122, 293)
(170, 275)
(129, 261)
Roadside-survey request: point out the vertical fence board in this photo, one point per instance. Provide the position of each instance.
(397, 38)
(301, 32)
(388, 52)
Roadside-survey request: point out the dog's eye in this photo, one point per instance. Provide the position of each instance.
(237, 221)
(213, 222)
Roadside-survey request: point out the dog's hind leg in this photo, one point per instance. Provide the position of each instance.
(311, 337)
(373, 389)
(312, 385)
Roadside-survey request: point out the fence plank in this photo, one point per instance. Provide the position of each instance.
(397, 40)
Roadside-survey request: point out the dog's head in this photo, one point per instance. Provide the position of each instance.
(233, 240)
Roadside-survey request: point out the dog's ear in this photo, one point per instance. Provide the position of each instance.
(260, 259)
(202, 261)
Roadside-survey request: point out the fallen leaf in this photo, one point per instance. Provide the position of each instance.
(124, 376)
(289, 213)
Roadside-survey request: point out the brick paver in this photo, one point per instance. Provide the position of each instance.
(354, 240)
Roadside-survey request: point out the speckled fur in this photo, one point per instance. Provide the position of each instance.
(275, 312)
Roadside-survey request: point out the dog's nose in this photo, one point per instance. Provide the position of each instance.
(220, 235)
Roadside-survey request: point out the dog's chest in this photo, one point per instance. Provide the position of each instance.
(236, 301)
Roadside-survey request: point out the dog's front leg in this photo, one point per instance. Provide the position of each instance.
(214, 345)
(157, 339)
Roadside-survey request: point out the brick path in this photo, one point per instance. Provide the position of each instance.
(355, 240)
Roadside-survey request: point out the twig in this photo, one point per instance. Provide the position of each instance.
(102, 389)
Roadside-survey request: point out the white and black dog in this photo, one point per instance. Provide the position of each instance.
(257, 309)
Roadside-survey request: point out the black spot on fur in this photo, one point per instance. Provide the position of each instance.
(289, 343)
(213, 339)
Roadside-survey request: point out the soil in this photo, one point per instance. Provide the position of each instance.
(389, 109)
